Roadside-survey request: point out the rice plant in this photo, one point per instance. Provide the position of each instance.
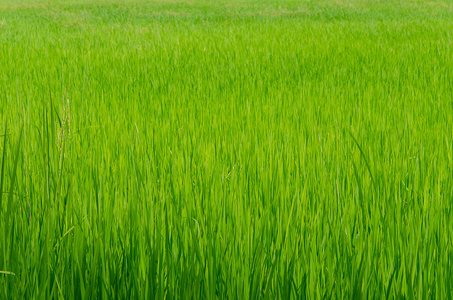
(228, 149)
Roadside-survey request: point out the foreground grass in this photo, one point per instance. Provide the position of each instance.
(209, 150)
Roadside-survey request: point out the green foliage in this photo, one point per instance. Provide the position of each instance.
(224, 149)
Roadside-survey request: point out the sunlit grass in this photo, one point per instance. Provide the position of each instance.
(252, 149)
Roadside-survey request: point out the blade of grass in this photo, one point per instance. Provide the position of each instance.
(363, 156)
(390, 282)
(8, 273)
(13, 178)
(2, 174)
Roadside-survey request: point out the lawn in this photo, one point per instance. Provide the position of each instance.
(226, 149)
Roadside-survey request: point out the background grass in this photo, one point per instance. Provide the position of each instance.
(226, 149)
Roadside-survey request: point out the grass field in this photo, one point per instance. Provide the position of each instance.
(226, 149)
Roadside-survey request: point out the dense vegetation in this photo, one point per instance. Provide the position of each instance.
(226, 149)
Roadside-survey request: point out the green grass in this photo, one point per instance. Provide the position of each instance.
(226, 149)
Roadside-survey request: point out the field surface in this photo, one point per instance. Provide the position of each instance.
(226, 149)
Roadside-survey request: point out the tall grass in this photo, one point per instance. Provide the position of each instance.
(252, 149)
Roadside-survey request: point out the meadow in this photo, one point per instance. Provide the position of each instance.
(201, 149)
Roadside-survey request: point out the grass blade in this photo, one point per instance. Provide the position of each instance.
(363, 156)
(13, 178)
(2, 174)
(8, 273)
